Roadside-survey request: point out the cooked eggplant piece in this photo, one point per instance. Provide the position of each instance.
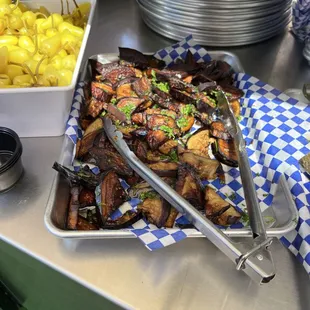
(225, 152)
(83, 224)
(103, 69)
(155, 156)
(126, 131)
(115, 114)
(133, 179)
(95, 107)
(205, 108)
(139, 118)
(232, 92)
(139, 190)
(207, 86)
(101, 91)
(128, 80)
(140, 148)
(129, 105)
(185, 122)
(86, 143)
(156, 121)
(87, 197)
(185, 67)
(142, 86)
(164, 169)
(156, 210)
(182, 96)
(112, 195)
(140, 133)
(166, 104)
(144, 106)
(168, 146)
(206, 168)
(154, 62)
(188, 186)
(84, 177)
(139, 60)
(218, 210)
(218, 130)
(235, 106)
(95, 126)
(200, 141)
(182, 86)
(85, 121)
(107, 159)
(119, 73)
(74, 206)
(127, 219)
(162, 94)
(172, 217)
(206, 99)
(155, 138)
(125, 90)
(166, 74)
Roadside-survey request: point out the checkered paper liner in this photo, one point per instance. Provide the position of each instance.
(274, 127)
(301, 19)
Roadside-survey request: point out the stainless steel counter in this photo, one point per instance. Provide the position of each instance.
(192, 274)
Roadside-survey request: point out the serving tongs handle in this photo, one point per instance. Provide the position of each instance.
(259, 269)
(253, 208)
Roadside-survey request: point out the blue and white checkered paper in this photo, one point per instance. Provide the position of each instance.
(275, 128)
(301, 19)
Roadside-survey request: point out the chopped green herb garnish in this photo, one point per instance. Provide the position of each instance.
(265, 195)
(182, 122)
(103, 113)
(117, 122)
(167, 113)
(172, 156)
(232, 196)
(160, 85)
(113, 100)
(239, 118)
(245, 218)
(146, 195)
(257, 174)
(168, 131)
(153, 73)
(155, 106)
(128, 109)
(188, 109)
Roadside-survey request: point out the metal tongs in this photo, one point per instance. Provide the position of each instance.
(253, 257)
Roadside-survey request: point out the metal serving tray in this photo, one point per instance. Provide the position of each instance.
(283, 209)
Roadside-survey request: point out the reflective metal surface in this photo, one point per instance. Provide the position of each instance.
(189, 275)
(217, 23)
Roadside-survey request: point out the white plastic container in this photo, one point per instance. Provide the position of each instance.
(42, 111)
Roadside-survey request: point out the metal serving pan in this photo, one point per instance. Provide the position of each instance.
(283, 209)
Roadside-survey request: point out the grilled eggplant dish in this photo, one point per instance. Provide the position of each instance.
(169, 119)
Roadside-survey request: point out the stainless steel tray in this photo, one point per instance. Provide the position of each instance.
(283, 209)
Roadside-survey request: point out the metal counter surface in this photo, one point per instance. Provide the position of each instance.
(192, 274)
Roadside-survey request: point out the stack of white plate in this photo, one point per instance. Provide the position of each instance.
(217, 22)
